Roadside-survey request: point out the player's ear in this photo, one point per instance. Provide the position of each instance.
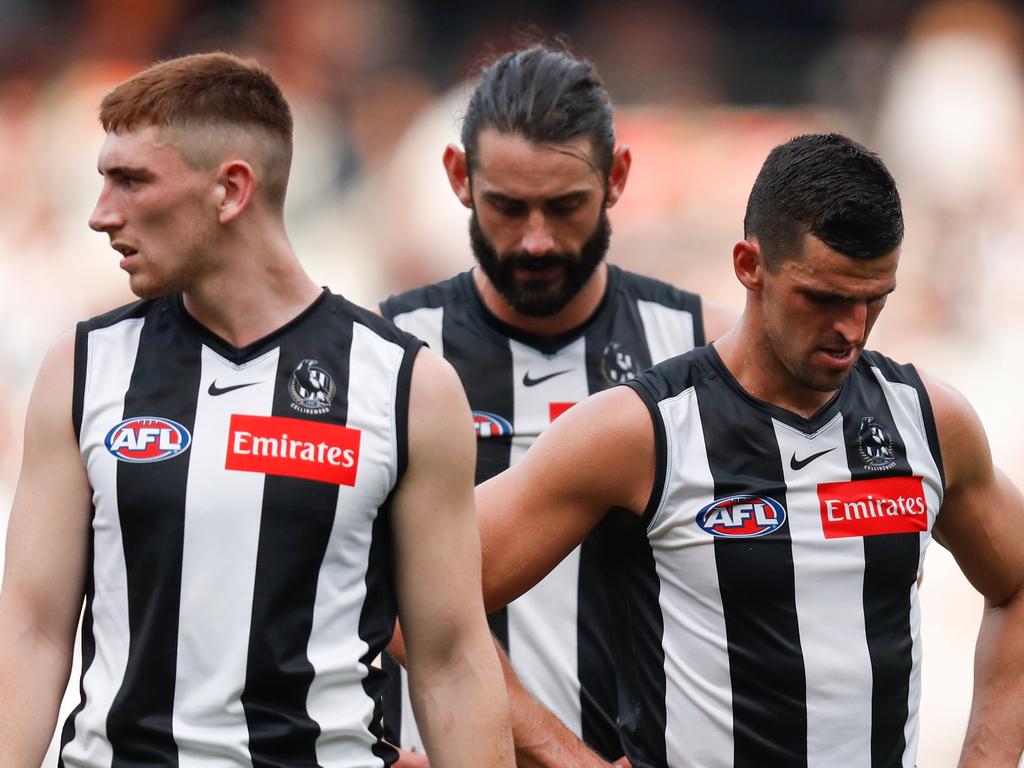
(622, 159)
(748, 262)
(236, 185)
(457, 168)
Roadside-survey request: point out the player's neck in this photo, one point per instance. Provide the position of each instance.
(572, 315)
(752, 362)
(257, 292)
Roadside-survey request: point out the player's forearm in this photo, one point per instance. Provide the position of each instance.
(995, 732)
(541, 739)
(33, 675)
(461, 706)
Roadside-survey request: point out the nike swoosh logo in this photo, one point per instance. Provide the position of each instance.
(530, 382)
(215, 390)
(796, 463)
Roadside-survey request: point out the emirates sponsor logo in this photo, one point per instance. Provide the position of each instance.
(557, 409)
(277, 445)
(873, 507)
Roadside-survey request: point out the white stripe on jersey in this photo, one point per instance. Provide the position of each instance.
(668, 330)
(694, 640)
(542, 630)
(336, 700)
(424, 324)
(110, 362)
(213, 624)
(905, 405)
(829, 592)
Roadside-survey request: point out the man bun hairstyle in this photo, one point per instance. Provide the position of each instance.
(545, 96)
(207, 90)
(830, 187)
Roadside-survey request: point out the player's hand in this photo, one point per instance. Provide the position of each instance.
(411, 760)
(624, 762)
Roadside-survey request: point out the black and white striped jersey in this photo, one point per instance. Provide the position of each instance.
(769, 601)
(240, 580)
(556, 634)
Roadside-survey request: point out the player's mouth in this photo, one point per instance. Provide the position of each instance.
(126, 251)
(838, 357)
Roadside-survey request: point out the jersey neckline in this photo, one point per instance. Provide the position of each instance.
(545, 344)
(806, 424)
(227, 350)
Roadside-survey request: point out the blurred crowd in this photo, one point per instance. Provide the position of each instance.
(703, 90)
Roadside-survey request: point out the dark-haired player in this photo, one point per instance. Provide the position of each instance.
(242, 474)
(775, 494)
(541, 323)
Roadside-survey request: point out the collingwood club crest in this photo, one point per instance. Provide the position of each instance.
(311, 387)
(617, 364)
(874, 443)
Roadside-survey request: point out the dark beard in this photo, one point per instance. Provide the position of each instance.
(540, 298)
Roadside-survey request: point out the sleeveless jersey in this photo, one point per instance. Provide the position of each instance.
(240, 580)
(768, 600)
(557, 635)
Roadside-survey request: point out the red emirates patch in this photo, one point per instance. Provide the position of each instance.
(557, 409)
(276, 445)
(873, 507)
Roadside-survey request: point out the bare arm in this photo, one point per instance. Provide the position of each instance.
(597, 455)
(982, 524)
(718, 319)
(454, 677)
(44, 568)
(542, 740)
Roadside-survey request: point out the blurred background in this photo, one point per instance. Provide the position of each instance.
(703, 89)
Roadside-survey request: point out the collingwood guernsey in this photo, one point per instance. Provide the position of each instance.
(241, 579)
(558, 633)
(769, 609)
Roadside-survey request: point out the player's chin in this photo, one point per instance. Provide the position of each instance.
(145, 287)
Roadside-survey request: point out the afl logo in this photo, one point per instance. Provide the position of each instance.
(311, 388)
(147, 438)
(741, 517)
(490, 425)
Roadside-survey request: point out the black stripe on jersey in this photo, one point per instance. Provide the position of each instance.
(890, 569)
(78, 388)
(758, 589)
(391, 699)
(151, 508)
(377, 622)
(492, 393)
(88, 655)
(645, 389)
(699, 336)
(295, 527)
(595, 660)
(638, 629)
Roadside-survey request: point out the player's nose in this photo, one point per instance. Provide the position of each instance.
(105, 216)
(537, 237)
(853, 323)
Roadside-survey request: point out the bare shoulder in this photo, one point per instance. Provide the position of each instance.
(718, 319)
(435, 390)
(962, 440)
(50, 404)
